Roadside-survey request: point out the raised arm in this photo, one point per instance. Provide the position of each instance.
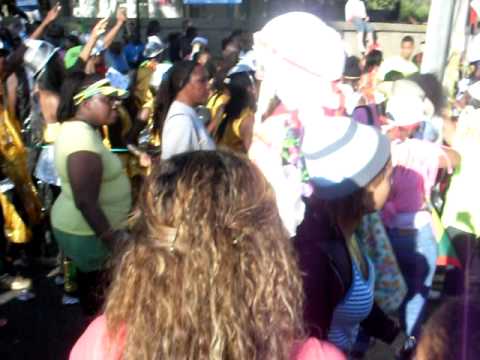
(112, 34)
(97, 30)
(52, 15)
(16, 58)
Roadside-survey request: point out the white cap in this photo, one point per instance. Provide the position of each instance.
(407, 87)
(200, 40)
(300, 56)
(343, 156)
(406, 110)
(304, 41)
(154, 47)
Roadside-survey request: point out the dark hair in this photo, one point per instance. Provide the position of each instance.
(433, 89)
(240, 99)
(408, 38)
(393, 75)
(7, 37)
(175, 80)
(200, 53)
(191, 32)
(174, 46)
(153, 27)
(53, 76)
(186, 23)
(236, 33)
(225, 42)
(453, 331)
(55, 30)
(73, 40)
(73, 84)
(352, 206)
(352, 67)
(373, 58)
(229, 40)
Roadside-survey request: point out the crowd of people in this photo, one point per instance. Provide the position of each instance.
(275, 201)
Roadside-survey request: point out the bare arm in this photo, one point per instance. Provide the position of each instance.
(449, 128)
(52, 15)
(16, 58)
(97, 30)
(49, 103)
(12, 84)
(112, 34)
(212, 127)
(85, 173)
(246, 131)
(449, 159)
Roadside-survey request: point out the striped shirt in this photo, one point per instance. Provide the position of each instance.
(354, 308)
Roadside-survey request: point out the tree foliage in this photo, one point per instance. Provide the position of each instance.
(381, 4)
(417, 9)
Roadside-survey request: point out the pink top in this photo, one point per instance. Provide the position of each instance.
(95, 344)
(314, 349)
(416, 164)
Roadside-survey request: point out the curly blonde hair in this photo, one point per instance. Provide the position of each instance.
(210, 271)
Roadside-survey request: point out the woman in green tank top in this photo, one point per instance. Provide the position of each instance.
(93, 206)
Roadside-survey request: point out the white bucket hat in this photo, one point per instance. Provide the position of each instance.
(343, 156)
(154, 47)
(38, 54)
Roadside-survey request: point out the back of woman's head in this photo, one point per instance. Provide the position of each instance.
(433, 90)
(153, 28)
(210, 271)
(72, 85)
(238, 86)
(53, 76)
(453, 332)
(175, 80)
(374, 58)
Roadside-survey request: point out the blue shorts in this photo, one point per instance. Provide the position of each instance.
(362, 25)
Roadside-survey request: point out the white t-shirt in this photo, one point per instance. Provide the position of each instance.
(397, 63)
(183, 131)
(355, 9)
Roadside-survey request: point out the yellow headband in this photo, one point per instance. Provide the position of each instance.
(100, 87)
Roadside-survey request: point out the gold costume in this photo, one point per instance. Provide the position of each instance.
(13, 155)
